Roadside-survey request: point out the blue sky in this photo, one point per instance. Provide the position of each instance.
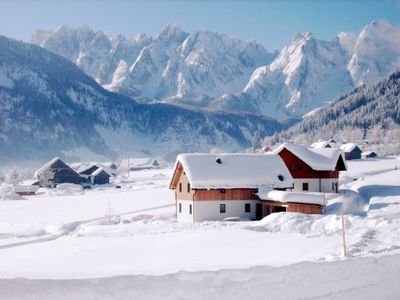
(273, 23)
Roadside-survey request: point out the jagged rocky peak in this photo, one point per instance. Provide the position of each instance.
(172, 33)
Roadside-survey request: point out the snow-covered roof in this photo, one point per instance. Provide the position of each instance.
(323, 144)
(98, 171)
(244, 170)
(142, 162)
(320, 144)
(82, 167)
(319, 159)
(348, 147)
(45, 166)
(291, 197)
(25, 188)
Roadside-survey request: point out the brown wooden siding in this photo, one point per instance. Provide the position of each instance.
(295, 207)
(229, 194)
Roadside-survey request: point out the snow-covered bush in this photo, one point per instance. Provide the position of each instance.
(7, 192)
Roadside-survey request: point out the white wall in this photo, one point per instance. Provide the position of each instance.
(314, 184)
(210, 210)
(184, 216)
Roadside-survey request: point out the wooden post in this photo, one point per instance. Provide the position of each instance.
(344, 250)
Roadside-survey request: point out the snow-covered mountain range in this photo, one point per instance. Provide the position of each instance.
(207, 69)
(50, 107)
(175, 65)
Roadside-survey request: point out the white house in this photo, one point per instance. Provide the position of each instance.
(220, 186)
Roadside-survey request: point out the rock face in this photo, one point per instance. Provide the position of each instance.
(207, 69)
(310, 72)
(175, 66)
(51, 108)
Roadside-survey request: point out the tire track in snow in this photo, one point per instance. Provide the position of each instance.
(70, 228)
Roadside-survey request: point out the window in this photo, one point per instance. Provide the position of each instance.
(190, 209)
(247, 207)
(222, 190)
(299, 167)
(180, 207)
(305, 186)
(188, 188)
(291, 167)
(333, 186)
(180, 187)
(222, 208)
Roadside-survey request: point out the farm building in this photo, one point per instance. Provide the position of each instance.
(351, 151)
(278, 201)
(324, 144)
(94, 173)
(137, 164)
(313, 169)
(55, 172)
(368, 154)
(220, 186)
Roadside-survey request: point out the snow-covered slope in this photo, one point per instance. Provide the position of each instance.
(376, 52)
(310, 72)
(184, 67)
(370, 112)
(50, 107)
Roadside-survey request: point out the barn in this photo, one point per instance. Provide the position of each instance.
(313, 169)
(94, 173)
(220, 186)
(59, 172)
(368, 154)
(351, 151)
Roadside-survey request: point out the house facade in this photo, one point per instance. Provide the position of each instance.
(313, 169)
(220, 186)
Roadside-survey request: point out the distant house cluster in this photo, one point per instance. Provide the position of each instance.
(88, 173)
(351, 150)
(291, 178)
(56, 172)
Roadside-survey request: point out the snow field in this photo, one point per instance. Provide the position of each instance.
(71, 234)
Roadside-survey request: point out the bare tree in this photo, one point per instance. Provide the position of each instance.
(13, 177)
(45, 178)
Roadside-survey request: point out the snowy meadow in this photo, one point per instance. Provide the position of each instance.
(108, 237)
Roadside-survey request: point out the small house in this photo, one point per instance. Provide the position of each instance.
(324, 144)
(351, 151)
(55, 172)
(94, 173)
(220, 186)
(313, 169)
(99, 176)
(137, 164)
(368, 154)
